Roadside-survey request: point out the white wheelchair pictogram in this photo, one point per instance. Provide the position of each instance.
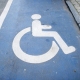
(37, 32)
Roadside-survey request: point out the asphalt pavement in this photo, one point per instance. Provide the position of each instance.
(2, 5)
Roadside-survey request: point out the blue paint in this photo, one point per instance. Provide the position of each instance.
(66, 67)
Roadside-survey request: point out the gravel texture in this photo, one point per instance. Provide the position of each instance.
(76, 4)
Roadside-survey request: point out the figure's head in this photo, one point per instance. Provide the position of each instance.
(36, 16)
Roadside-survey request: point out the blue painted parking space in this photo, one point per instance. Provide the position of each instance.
(39, 41)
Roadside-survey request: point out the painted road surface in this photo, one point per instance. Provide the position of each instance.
(39, 40)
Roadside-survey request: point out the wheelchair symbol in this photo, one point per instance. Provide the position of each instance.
(37, 32)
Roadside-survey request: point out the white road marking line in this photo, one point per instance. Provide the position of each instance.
(5, 11)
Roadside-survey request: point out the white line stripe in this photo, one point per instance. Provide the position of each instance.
(5, 11)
